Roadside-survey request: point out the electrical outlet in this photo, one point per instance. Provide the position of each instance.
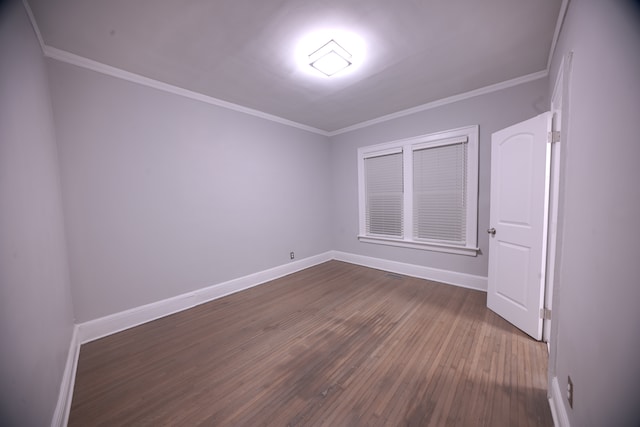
(570, 391)
(292, 255)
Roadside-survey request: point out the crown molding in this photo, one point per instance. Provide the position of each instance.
(556, 33)
(90, 64)
(80, 61)
(444, 101)
(34, 24)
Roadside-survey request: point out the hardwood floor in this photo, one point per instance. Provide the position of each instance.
(333, 345)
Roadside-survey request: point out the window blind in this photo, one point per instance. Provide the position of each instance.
(440, 193)
(384, 195)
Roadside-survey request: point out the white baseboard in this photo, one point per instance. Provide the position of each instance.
(98, 328)
(444, 276)
(61, 414)
(556, 403)
(104, 326)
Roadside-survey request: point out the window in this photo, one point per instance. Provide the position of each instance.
(384, 194)
(421, 192)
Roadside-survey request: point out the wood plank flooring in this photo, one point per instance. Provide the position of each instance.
(333, 345)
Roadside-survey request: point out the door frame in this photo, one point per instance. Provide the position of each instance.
(553, 173)
(553, 177)
(561, 99)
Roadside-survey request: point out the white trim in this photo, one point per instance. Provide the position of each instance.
(556, 33)
(462, 280)
(426, 139)
(111, 324)
(554, 184)
(407, 146)
(380, 153)
(117, 322)
(98, 328)
(415, 244)
(444, 101)
(246, 282)
(81, 61)
(432, 143)
(546, 226)
(63, 407)
(34, 24)
(556, 403)
(104, 326)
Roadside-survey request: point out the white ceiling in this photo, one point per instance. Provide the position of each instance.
(243, 51)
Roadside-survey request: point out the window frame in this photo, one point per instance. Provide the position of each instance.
(408, 146)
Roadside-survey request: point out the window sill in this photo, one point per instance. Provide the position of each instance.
(437, 247)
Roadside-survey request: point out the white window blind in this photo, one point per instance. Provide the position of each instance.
(440, 193)
(421, 192)
(384, 195)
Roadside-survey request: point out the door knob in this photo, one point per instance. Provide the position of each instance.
(491, 231)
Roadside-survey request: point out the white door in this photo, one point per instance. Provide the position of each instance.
(517, 242)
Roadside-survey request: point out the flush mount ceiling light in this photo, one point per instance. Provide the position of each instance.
(330, 58)
(343, 52)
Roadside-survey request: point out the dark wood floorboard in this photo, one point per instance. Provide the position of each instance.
(333, 345)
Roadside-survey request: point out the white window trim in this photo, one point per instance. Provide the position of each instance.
(407, 146)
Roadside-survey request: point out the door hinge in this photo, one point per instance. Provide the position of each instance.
(554, 136)
(545, 314)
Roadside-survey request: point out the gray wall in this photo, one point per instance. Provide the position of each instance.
(164, 194)
(596, 333)
(492, 112)
(36, 320)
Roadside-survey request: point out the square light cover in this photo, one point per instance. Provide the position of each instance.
(330, 58)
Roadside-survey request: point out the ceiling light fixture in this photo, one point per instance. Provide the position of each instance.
(349, 54)
(330, 58)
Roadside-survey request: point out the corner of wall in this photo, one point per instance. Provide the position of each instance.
(455, 278)
(65, 395)
(556, 403)
(107, 325)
